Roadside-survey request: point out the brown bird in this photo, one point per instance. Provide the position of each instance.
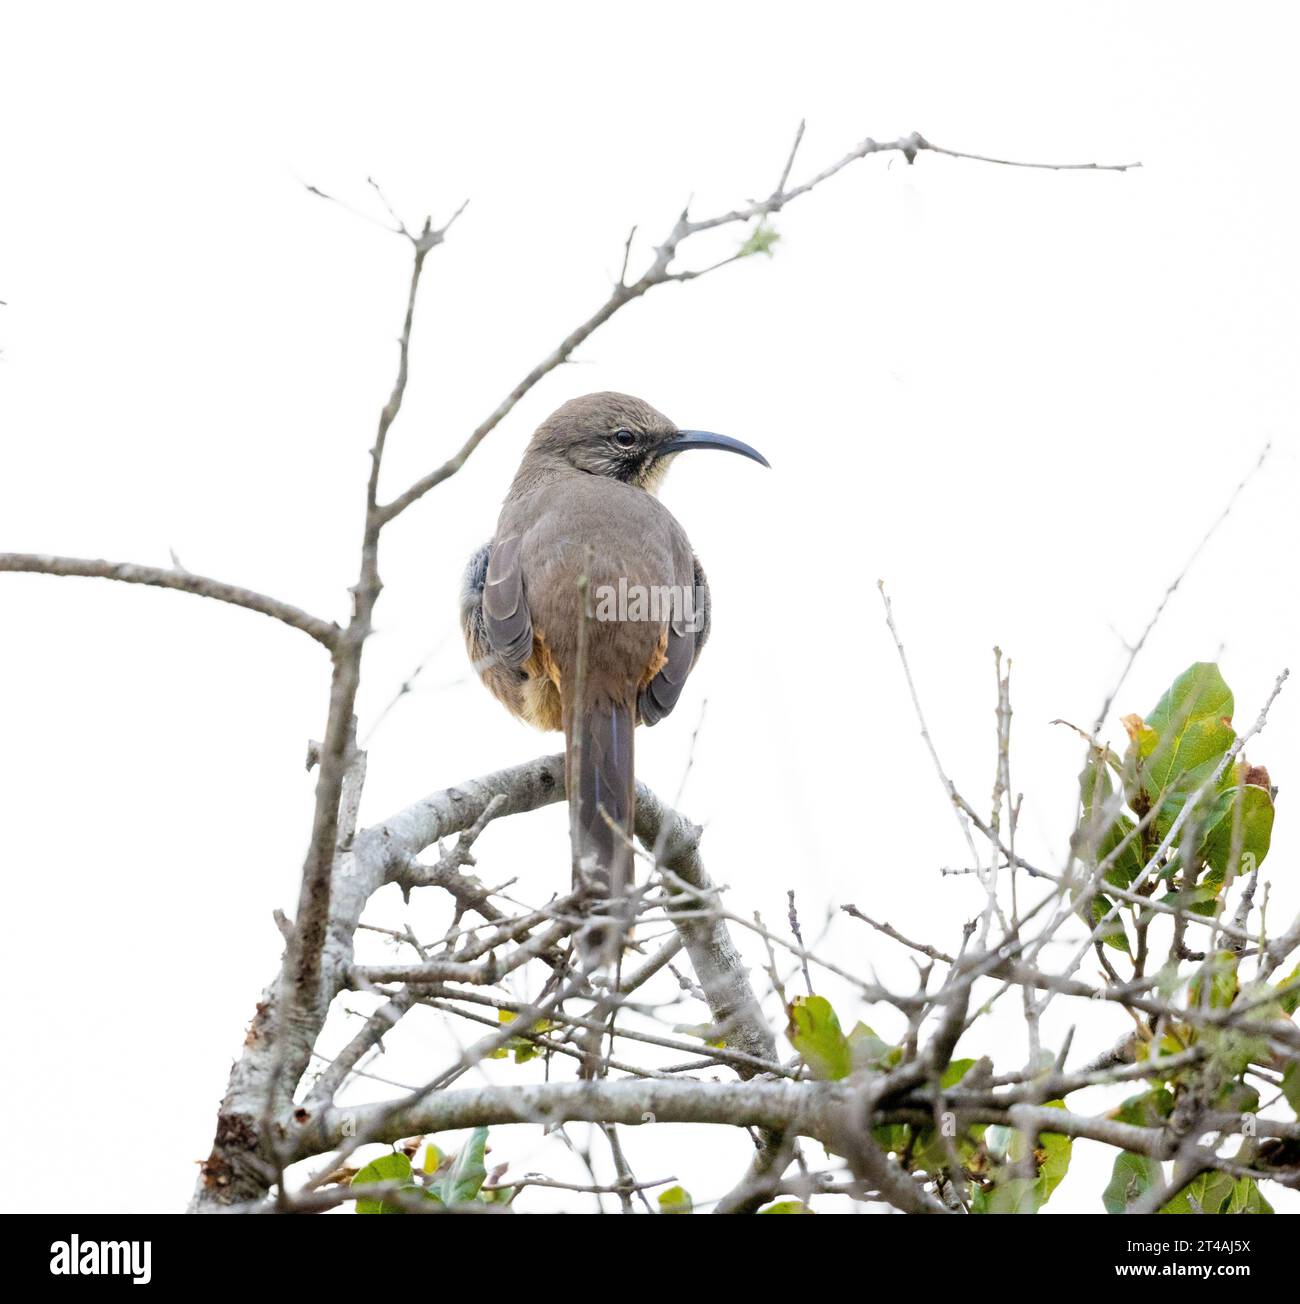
(582, 518)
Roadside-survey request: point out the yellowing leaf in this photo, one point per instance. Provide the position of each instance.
(387, 1168)
(814, 1031)
(676, 1199)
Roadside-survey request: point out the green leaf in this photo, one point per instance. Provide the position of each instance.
(1112, 931)
(1237, 1098)
(1168, 979)
(387, 1168)
(1013, 1193)
(1208, 1193)
(1199, 693)
(1127, 863)
(1192, 724)
(760, 240)
(1291, 1086)
(788, 1206)
(998, 1140)
(1232, 1051)
(868, 1051)
(1054, 1162)
(814, 1032)
(1094, 839)
(523, 1048)
(956, 1070)
(1222, 968)
(1246, 1198)
(1242, 816)
(892, 1138)
(1098, 837)
(1219, 1193)
(1142, 740)
(1150, 1109)
(461, 1182)
(1289, 987)
(676, 1199)
(706, 1032)
(927, 1151)
(1131, 1178)
(1199, 900)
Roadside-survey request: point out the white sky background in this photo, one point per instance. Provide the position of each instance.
(1020, 397)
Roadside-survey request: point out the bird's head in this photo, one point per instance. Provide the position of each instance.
(622, 438)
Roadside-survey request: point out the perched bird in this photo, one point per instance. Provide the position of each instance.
(581, 530)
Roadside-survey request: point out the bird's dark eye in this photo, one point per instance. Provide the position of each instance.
(624, 438)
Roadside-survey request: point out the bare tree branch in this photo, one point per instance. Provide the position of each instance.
(323, 631)
(661, 272)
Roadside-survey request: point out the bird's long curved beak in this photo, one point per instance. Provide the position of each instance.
(686, 439)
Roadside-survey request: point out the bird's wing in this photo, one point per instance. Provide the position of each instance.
(687, 632)
(505, 609)
(502, 681)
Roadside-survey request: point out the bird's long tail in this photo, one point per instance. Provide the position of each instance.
(601, 785)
